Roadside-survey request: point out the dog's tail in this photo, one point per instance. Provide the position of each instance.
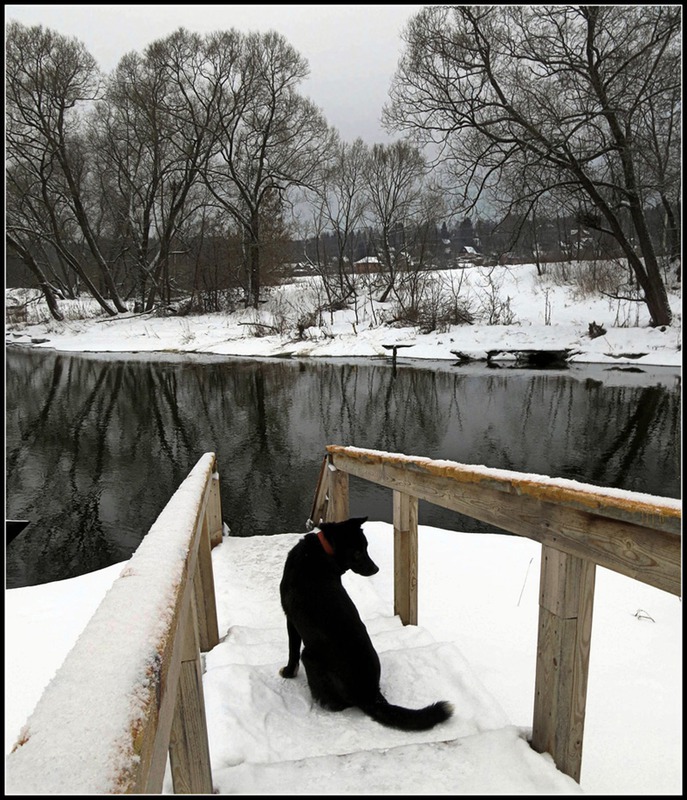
(409, 719)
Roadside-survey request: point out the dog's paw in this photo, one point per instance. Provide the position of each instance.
(288, 672)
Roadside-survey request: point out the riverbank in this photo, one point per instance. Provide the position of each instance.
(534, 313)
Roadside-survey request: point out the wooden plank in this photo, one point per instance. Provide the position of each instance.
(405, 557)
(338, 505)
(646, 554)
(189, 751)
(153, 740)
(563, 647)
(660, 513)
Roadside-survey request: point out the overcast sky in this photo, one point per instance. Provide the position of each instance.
(352, 50)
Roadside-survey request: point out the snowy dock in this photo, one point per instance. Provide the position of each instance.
(268, 737)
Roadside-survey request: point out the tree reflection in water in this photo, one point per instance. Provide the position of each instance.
(96, 447)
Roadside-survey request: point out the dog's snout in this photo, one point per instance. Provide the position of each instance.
(368, 568)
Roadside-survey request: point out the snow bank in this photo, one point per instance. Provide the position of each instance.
(544, 315)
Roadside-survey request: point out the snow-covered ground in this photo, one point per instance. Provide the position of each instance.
(542, 313)
(475, 645)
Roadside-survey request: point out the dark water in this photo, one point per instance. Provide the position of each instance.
(96, 447)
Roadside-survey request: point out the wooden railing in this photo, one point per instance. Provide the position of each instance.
(130, 691)
(578, 526)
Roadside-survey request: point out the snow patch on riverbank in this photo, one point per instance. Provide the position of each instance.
(542, 315)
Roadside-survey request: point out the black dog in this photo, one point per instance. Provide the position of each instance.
(340, 661)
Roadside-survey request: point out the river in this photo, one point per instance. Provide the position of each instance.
(95, 446)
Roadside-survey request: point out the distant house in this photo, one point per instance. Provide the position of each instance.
(300, 268)
(580, 243)
(467, 254)
(367, 264)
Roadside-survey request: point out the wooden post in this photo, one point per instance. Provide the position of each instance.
(204, 590)
(214, 511)
(319, 506)
(338, 504)
(394, 350)
(405, 557)
(566, 599)
(189, 752)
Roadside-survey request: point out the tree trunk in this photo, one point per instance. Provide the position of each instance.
(535, 242)
(254, 260)
(657, 301)
(43, 283)
(649, 274)
(671, 229)
(389, 259)
(254, 267)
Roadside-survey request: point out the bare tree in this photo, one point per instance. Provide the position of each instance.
(394, 176)
(154, 134)
(658, 148)
(417, 277)
(345, 203)
(272, 140)
(561, 93)
(49, 80)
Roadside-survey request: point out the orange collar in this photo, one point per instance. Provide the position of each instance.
(325, 544)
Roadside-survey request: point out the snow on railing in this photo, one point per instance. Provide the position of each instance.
(130, 690)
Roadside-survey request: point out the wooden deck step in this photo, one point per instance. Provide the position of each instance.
(267, 736)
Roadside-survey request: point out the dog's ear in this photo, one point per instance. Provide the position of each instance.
(358, 520)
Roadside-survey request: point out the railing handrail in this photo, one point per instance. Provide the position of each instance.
(579, 527)
(144, 640)
(622, 504)
(635, 534)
